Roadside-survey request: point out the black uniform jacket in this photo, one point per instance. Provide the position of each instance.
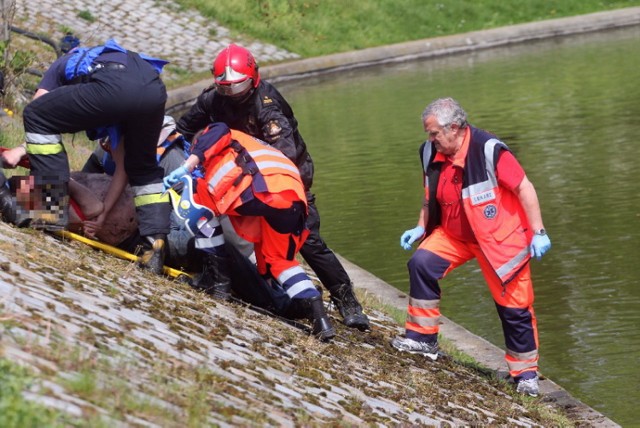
(265, 115)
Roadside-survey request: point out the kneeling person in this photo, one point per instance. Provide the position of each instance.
(262, 193)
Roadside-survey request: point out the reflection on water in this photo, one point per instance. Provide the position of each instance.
(569, 110)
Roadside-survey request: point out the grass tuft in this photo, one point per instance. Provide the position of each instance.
(15, 409)
(319, 27)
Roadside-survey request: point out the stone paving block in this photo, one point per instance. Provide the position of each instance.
(187, 32)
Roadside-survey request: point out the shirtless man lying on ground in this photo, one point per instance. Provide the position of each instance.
(120, 230)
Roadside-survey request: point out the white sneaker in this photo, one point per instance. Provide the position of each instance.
(529, 387)
(405, 344)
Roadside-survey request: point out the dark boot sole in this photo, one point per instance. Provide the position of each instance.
(326, 335)
(360, 322)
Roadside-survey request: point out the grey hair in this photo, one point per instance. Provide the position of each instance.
(446, 111)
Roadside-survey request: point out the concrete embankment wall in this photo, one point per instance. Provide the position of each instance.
(429, 48)
(483, 351)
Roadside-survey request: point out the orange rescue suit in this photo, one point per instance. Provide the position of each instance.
(239, 166)
(497, 218)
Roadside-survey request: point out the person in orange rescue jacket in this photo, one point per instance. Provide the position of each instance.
(479, 204)
(261, 191)
(244, 101)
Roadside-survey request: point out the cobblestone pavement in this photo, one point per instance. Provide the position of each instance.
(158, 28)
(161, 354)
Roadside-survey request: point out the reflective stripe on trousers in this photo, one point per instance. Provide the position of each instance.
(438, 255)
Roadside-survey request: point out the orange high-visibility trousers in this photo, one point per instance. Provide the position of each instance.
(278, 235)
(438, 255)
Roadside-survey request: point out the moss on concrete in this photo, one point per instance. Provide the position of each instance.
(105, 342)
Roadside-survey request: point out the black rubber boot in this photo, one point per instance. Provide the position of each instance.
(215, 278)
(350, 309)
(152, 258)
(322, 328)
(313, 309)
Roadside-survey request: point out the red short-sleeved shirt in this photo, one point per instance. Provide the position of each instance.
(454, 221)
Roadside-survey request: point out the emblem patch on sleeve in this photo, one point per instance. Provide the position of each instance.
(273, 128)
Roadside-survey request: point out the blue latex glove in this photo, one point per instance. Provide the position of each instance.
(410, 236)
(540, 244)
(174, 176)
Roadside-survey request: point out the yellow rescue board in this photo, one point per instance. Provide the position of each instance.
(114, 251)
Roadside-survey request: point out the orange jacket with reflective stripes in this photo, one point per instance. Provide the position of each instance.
(237, 162)
(496, 216)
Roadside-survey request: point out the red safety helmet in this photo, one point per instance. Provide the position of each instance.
(235, 71)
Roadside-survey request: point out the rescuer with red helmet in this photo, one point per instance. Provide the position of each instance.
(239, 98)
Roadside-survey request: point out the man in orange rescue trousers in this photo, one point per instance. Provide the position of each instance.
(478, 204)
(260, 190)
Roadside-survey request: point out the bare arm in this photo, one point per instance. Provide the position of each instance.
(116, 187)
(119, 180)
(423, 217)
(90, 205)
(191, 162)
(11, 157)
(529, 199)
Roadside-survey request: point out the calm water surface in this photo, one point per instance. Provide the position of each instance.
(570, 111)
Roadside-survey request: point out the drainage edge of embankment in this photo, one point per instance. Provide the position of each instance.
(481, 350)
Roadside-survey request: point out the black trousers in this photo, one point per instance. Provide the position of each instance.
(132, 98)
(318, 256)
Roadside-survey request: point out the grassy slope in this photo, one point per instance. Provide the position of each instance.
(319, 27)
